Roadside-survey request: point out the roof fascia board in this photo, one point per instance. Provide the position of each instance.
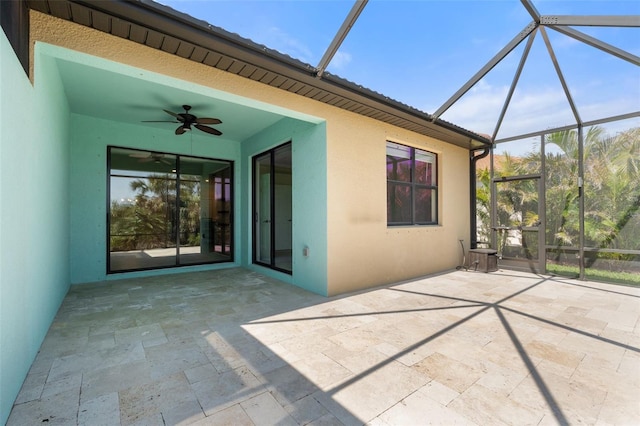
(237, 48)
(276, 62)
(390, 106)
(165, 20)
(472, 137)
(14, 20)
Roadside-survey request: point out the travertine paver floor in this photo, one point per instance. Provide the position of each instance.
(234, 347)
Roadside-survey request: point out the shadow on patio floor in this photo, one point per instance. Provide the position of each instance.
(235, 347)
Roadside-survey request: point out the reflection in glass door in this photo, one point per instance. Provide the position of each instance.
(262, 206)
(272, 203)
(517, 222)
(220, 208)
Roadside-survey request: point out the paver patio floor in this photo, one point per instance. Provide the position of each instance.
(235, 347)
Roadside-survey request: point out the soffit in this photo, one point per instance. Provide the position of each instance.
(162, 28)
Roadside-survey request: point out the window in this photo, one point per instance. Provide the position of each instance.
(168, 210)
(412, 186)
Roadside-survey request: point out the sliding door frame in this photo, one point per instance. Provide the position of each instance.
(257, 222)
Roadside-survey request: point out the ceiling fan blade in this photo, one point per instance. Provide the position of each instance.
(205, 120)
(145, 160)
(177, 116)
(180, 130)
(208, 129)
(141, 155)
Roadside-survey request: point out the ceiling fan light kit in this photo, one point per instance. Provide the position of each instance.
(187, 120)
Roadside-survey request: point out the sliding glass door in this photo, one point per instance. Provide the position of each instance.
(272, 208)
(167, 210)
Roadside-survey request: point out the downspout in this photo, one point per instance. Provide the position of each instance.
(472, 193)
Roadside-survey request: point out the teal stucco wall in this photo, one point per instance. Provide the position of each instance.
(34, 214)
(90, 138)
(53, 199)
(309, 195)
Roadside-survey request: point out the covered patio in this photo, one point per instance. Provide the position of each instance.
(236, 347)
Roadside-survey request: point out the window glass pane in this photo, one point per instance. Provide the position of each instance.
(273, 208)
(189, 210)
(221, 211)
(142, 228)
(282, 208)
(398, 162)
(399, 203)
(262, 206)
(425, 205)
(205, 211)
(425, 166)
(412, 202)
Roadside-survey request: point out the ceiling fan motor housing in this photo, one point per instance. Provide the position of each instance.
(187, 120)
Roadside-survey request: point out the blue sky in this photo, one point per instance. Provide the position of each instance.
(421, 52)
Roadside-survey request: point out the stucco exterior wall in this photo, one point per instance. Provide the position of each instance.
(361, 250)
(90, 138)
(364, 251)
(34, 216)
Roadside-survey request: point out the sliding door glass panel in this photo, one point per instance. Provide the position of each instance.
(262, 215)
(205, 211)
(272, 234)
(190, 213)
(142, 232)
(167, 210)
(221, 210)
(282, 208)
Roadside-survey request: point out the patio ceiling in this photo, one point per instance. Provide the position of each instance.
(126, 98)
